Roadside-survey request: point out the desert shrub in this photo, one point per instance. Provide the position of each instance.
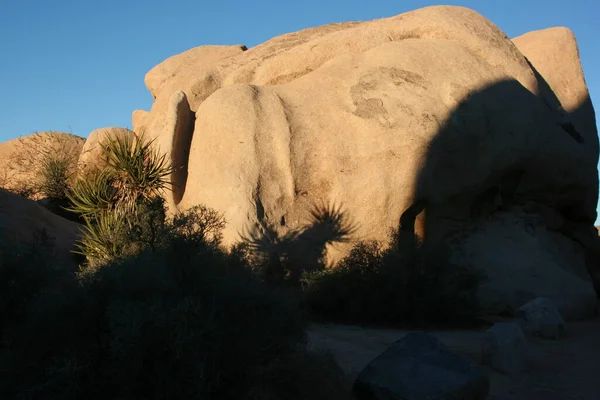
(377, 284)
(185, 320)
(159, 309)
(54, 184)
(301, 375)
(361, 288)
(121, 204)
(55, 173)
(43, 165)
(443, 292)
(25, 270)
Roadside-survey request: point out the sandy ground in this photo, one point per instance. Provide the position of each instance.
(565, 369)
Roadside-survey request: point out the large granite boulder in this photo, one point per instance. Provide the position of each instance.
(434, 115)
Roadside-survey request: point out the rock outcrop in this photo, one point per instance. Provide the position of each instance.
(505, 348)
(25, 221)
(21, 159)
(434, 115)
(92, 155)
(540, 317)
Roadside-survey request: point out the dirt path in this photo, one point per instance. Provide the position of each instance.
(567, 369)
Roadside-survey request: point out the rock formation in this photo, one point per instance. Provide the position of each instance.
(434, 115)
(25, 221)
(92, 156)
(21, 158)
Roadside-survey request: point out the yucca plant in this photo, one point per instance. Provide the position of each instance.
(93, 194)
(135, 172)
(103, 240)
(140, 172)
(110, 200)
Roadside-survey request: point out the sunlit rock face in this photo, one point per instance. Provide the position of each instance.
(480, 142)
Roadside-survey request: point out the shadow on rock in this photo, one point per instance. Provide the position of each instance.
(284, 257)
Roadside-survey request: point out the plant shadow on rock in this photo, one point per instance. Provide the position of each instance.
(394, 283)
(283, 258)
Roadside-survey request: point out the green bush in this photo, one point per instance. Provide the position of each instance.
(377, 285)
(121, 204)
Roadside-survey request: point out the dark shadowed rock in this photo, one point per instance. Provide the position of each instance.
(504, 347)
(420, 367)
(540, 317)
(24, 221)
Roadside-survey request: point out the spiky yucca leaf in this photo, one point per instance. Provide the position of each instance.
(140, 171)
(94, 194)
(102, 241)
(113, 199)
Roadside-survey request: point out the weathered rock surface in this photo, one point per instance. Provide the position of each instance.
(552, 52)
(523, 259)
(23, 221)
(433, 113)
(418, 367)
(541, 317)
(547, 51)
(565, 369)
(21, 159)
(92, 155)
(505, 347)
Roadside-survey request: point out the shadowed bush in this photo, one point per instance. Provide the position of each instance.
(158, 310)
(182, 320)
(25, 270)
(374, 284)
